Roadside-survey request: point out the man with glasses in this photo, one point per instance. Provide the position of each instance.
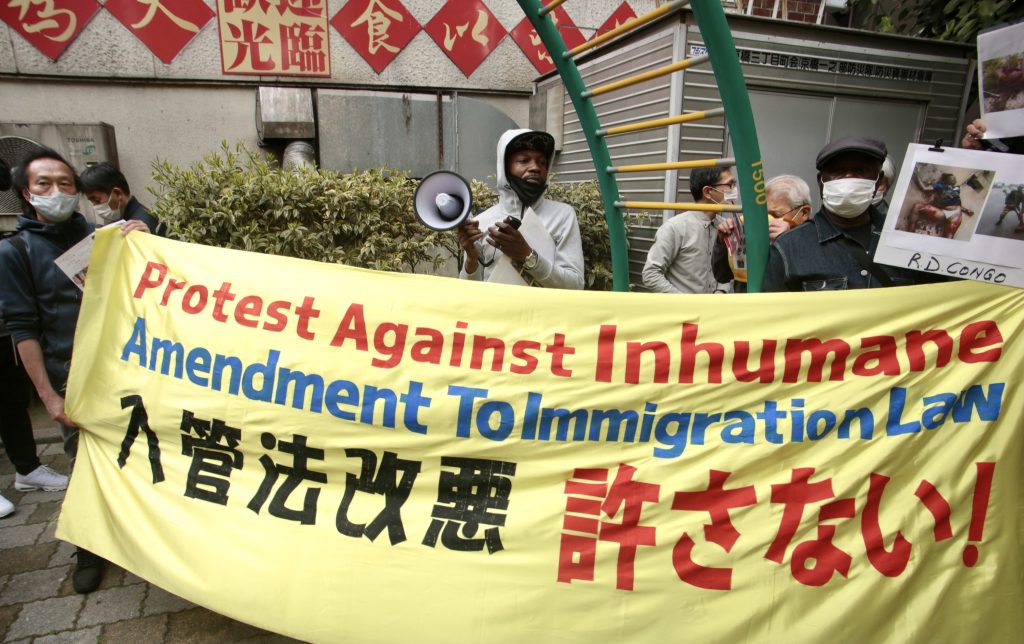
(789, 203)
(836, 249)
(679, 261)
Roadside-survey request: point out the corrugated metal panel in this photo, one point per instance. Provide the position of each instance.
(776, 56)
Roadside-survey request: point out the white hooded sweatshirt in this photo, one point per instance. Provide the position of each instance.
(565, 270)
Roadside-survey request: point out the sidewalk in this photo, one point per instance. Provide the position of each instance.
(38, 605)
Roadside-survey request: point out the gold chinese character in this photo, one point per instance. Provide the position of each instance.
(476, 34)
(48, 18)
(156, 5)
(378, 19)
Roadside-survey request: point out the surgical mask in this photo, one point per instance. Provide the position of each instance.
(728, 196)
(877, 199)
(54, 208)
(106, 213)
(847, 198)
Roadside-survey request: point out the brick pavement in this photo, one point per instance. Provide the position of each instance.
(38, 605)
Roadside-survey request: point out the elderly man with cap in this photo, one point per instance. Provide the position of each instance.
(524, 157)
(835, 249)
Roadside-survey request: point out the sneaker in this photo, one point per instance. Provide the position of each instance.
(88, 571)
(6, 507)
(41, 478)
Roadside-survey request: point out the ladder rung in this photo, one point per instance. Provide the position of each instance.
(658, 205)
(654, 73)
(676, 165)
(549, 7)
(627, 26)
(668, 120)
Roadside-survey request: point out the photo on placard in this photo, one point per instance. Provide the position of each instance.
(1003, 215)
(1002, 83)
(943, 201)
(1001, 80)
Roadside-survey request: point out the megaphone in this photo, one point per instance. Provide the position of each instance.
(443, 200)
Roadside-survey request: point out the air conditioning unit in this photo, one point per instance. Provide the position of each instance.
(82, 144)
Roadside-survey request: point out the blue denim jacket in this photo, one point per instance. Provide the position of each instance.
(811, 257)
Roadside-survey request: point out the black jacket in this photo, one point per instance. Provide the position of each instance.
(38, 301)
(135, 210)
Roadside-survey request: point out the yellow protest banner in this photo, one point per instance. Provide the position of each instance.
(343, 455)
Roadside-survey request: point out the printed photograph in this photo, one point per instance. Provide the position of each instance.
(1002, 83)
(943, 201)
(1003, 215)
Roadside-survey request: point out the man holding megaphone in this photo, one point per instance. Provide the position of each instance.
(538, 237)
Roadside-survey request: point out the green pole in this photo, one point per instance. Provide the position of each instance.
(573, 82)
(740, 119)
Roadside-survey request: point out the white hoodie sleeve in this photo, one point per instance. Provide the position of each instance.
(565, 269)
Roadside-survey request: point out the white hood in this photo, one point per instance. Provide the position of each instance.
(507, 197)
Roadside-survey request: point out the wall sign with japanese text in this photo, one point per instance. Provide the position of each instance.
(345, 455)
(274, 37)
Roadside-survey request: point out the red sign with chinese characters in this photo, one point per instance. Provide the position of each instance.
(377, 29)
(467, 31)
(623, 14)
(526, 37)
(165, 27)
(274, 37)
(49, 25)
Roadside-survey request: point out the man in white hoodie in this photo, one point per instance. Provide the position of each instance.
(524, 157)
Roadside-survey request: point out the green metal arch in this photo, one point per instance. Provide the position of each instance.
(739, 117)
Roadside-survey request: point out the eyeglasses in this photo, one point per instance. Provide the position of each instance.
(731, 185)
(782, 215)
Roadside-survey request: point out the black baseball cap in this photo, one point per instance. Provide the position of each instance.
(864, 145)
(533, 140)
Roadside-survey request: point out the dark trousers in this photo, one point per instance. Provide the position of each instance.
(15, 396)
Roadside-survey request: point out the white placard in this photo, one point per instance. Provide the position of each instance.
(74, 262)
(1001, 81)
(957, 212)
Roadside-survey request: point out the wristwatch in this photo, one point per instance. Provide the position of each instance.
(531, 261)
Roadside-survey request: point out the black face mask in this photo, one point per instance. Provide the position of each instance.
(527, 191)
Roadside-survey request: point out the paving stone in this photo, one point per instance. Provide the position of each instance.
(32, 585)
(53, 448)
(20, 535)
(7, 616)
(21, 514)
(62, 555)
(46, 512)
(112, 605)
(271, 638)
(159, 601)
(201, 626)
(42, 496)
(80, 636)
(44, 617)
(49, 534)
(23, 558)
(131, 578)
(143, 629)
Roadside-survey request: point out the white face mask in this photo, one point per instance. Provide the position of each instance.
(106, 213)
(877, 199)
(728, 196)
(847, 198)
(54, 208)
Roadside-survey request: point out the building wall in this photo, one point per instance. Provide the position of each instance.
(183, 110)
